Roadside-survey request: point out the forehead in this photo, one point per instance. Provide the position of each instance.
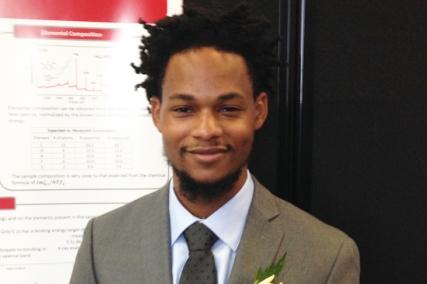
(206, 71)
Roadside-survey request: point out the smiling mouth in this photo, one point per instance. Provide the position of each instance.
(207, 154)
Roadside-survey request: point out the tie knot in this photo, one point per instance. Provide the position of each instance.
(199, 237)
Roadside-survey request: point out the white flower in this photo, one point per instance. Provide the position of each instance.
(268, 280)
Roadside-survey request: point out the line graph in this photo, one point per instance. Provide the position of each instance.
(74, 83)
(63, 70)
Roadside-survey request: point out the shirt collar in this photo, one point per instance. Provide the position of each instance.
(231, 215)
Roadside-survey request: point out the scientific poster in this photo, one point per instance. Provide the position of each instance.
(76, 137)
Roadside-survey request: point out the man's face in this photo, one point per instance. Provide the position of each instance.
(208, 115)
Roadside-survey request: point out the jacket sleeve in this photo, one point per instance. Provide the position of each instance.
(346, 268)
(84, 266)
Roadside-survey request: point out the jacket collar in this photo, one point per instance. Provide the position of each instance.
(261, 241)
(155, 240)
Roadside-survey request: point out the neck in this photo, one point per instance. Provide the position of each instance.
(203, 208)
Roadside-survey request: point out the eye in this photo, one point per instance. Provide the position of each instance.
(183, 109)
(227, 109)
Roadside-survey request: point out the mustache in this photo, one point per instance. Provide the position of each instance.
(205, 148)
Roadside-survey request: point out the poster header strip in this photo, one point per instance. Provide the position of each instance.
(128, 11)
(44, 32)
(7, 203)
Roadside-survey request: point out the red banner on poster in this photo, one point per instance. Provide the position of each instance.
(64, 33)
(7, 203)
(83, 10)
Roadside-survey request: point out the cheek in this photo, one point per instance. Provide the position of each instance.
(171, 149)
(173, 137)
(242, 138)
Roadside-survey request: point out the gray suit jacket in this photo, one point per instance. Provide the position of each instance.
(132, 245)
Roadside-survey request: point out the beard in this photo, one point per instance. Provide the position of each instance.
(194, 190)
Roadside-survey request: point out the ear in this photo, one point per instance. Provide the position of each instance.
(155, 111)
(261, 109)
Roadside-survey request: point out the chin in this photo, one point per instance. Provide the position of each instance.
(205, 186)
(205, 178)
(209, 176)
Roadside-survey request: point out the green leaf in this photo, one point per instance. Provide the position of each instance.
(273, 269)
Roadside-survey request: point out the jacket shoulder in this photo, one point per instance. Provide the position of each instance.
(300, 226)
(133, 212)
(316, 250)
(295, 221)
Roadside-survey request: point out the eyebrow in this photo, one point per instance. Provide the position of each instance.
(230, 96)
(224, 97)
(184, 97)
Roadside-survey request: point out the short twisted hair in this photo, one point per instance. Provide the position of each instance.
(235, 31)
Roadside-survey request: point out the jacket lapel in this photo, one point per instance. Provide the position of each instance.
(259, 247)
(261, 243)
(155, 241)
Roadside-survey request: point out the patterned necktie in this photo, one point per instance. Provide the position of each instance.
(200, 266)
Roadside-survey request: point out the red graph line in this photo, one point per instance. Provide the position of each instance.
(70, 85)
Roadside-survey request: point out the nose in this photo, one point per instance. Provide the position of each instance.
(207, 126)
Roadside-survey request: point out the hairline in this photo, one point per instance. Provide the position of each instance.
(197, 47)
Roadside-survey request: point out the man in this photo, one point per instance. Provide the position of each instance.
(207, 83)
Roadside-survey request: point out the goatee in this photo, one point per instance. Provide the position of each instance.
(207, 191)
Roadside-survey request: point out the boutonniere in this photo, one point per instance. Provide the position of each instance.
(267, 275)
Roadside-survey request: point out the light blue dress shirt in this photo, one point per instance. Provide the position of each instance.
(228, 223)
